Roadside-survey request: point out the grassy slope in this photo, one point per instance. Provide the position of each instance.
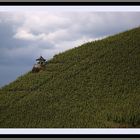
(94, 85)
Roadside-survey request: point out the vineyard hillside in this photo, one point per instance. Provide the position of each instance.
(95, 85)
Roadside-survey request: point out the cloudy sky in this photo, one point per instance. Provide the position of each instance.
(26, 35)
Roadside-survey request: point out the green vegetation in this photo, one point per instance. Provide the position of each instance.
(94, 85)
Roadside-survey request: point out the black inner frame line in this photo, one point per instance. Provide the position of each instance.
(22, 3)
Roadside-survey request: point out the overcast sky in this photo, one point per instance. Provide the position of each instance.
(24, 36)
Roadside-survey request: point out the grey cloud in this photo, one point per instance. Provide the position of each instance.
(6, 37)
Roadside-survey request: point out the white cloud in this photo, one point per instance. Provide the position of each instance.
(22, 34)
(57, 28)
(26, 35)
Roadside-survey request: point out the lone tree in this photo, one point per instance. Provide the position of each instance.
(41, 63)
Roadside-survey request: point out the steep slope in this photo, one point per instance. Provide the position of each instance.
(94, 85)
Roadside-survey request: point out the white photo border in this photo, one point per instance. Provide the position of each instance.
(98, 7)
